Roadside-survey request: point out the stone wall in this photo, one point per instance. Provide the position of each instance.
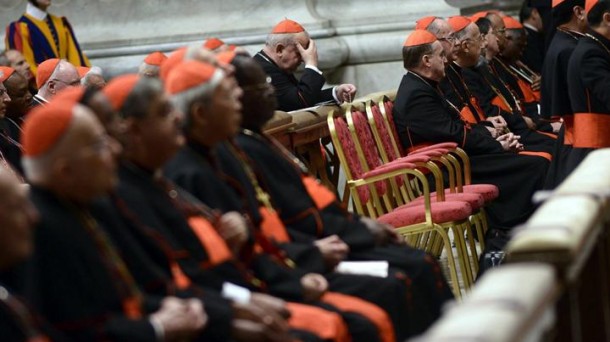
(359, 41)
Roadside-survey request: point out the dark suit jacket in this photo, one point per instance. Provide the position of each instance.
(293, 94)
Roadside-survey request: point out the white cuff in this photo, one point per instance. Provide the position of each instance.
(314, 68)
(335, 95)
(158, 327)
(236, 293)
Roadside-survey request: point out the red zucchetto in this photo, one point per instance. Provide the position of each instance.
(287, 26)
(119, 89)
(45, 70)
(423, 23)
(458, 23)
(190, 74)
(5, 73)
(156, 58)
(44, 126)
(174, 59)
(419, 37)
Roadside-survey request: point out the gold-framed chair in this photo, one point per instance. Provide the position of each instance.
(373, 193)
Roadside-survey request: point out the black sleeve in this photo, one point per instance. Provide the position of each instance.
(282, 281)
(293, 94)
(428, 119)
(306, 255)
(595, 75)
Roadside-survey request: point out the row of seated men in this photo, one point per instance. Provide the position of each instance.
(156, 210)
(465, 83)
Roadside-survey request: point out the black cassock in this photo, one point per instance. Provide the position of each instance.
(149, 259)
(9, 143)
(555, 100)
(293, 94)
(153, 202)
(461, 84)
(421, 112)
(216, 176)
(589, 81)
(74, 286)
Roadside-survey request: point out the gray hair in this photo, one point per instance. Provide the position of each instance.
(95, 71)
(275, 39)
(183, 101)
(137, 103)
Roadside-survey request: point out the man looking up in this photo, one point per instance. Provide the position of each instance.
(287, 46)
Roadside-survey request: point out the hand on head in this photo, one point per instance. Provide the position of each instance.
(309, 54)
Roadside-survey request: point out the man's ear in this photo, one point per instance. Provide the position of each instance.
(426, 60)
(279, 49)
(197, 115)
(606, 18)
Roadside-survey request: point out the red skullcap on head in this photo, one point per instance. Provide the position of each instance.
(174, 59)
(556, 3)
(589, 5)
(82, 71)
(423, 23)
(288, 26)
(511, 23)
(119, 89)
(45, 70)
(213, 43)
(70, 94)
(478, 16)
(458, 23)
(419, 37)
(226, 57)
(44, 126)
(5, 73)
(191, 74)
(155, 58)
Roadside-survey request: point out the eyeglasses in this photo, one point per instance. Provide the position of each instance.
(500, 31)
(450, 39)
(479, 38)
(72, 84)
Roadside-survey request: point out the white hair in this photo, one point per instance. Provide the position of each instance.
(202, 93)
(94, 71)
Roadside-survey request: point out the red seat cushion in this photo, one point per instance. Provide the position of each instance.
(441, 212)
(475, 200)
(489, 191)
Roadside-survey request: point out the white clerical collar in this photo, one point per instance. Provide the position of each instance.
(35, 12)
(530, 27)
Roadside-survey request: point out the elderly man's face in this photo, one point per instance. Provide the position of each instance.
(223, 114)
(66, 77)
(446, 37)
(17, 219)
(470, 45)
(290, 58)
(499, 29)
(92, 160)
(437, 62)
(515, 44)
(160, 132)
(19, 63)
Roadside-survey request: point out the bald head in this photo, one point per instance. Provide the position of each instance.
(17, 217)
(64, 76)
(470, 45)
(499, 28)
(443, 32)
(80, 165)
